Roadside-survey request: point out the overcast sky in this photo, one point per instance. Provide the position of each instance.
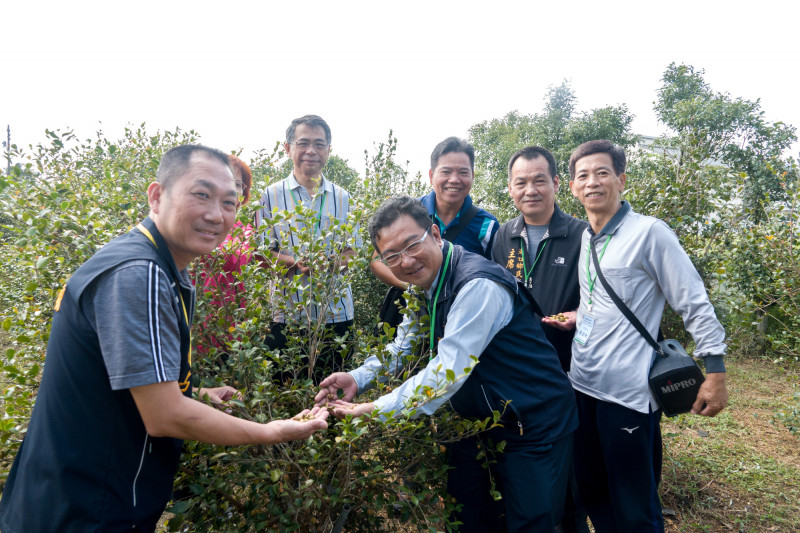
(238, 71)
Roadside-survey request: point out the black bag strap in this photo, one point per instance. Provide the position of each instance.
(450, 234)
(621, 305)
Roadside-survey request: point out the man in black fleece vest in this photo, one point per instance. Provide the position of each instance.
(476, 309)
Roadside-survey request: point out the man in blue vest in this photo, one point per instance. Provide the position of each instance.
(116, 400)
(477, 309)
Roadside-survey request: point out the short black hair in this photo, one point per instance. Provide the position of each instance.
(600, 146)
(533, 152)
(175, 163)
(453, 144)
(394, 208)
(312, 121)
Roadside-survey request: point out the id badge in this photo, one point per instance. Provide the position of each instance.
(584, 329)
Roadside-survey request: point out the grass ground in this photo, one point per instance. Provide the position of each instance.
(738, 471)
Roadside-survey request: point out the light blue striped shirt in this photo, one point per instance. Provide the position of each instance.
(283, 238)
(481, 309)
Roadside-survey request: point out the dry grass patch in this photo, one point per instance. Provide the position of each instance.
(738, 471)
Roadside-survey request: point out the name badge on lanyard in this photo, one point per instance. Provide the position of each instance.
(585, 325)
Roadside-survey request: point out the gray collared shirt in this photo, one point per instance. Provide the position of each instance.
(646, 265)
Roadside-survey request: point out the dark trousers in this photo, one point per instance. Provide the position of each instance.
(574, 519)
(618, 466)
(328, 357)
(532, 479)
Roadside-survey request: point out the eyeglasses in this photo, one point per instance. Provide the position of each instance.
(304, 145)
(392, 260)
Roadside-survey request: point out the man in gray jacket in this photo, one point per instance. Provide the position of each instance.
(618, 442)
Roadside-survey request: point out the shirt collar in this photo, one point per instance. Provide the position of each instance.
(612, 225)
(325, 185)
(463, 209)
(556, 227)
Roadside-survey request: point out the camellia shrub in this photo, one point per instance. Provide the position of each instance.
(762, 263)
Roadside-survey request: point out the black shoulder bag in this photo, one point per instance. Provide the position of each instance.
(675, 377)
(390, 311)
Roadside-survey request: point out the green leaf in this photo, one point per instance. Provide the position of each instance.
(180, 507)
(42, 262)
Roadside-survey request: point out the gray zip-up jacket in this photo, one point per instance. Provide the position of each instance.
(646, 265)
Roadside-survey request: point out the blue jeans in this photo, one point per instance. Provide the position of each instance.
(532, 478)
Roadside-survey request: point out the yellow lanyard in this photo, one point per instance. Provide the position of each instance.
(147, 234)
(186, 383)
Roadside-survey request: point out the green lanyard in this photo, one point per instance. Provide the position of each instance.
(589, 274)
(527, 273)
(321, 207)
(436, 297)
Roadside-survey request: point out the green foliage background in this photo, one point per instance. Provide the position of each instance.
(719, 179)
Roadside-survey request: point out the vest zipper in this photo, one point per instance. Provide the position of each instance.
(139, 470)
(491, 409)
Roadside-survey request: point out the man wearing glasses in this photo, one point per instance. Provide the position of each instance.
(450, 207)
(477, 310)
(308, 143)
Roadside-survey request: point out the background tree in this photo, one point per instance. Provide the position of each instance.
(721, 181)
(714, 128)
(559, 128)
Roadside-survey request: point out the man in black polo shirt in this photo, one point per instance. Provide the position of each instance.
(115, 398)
